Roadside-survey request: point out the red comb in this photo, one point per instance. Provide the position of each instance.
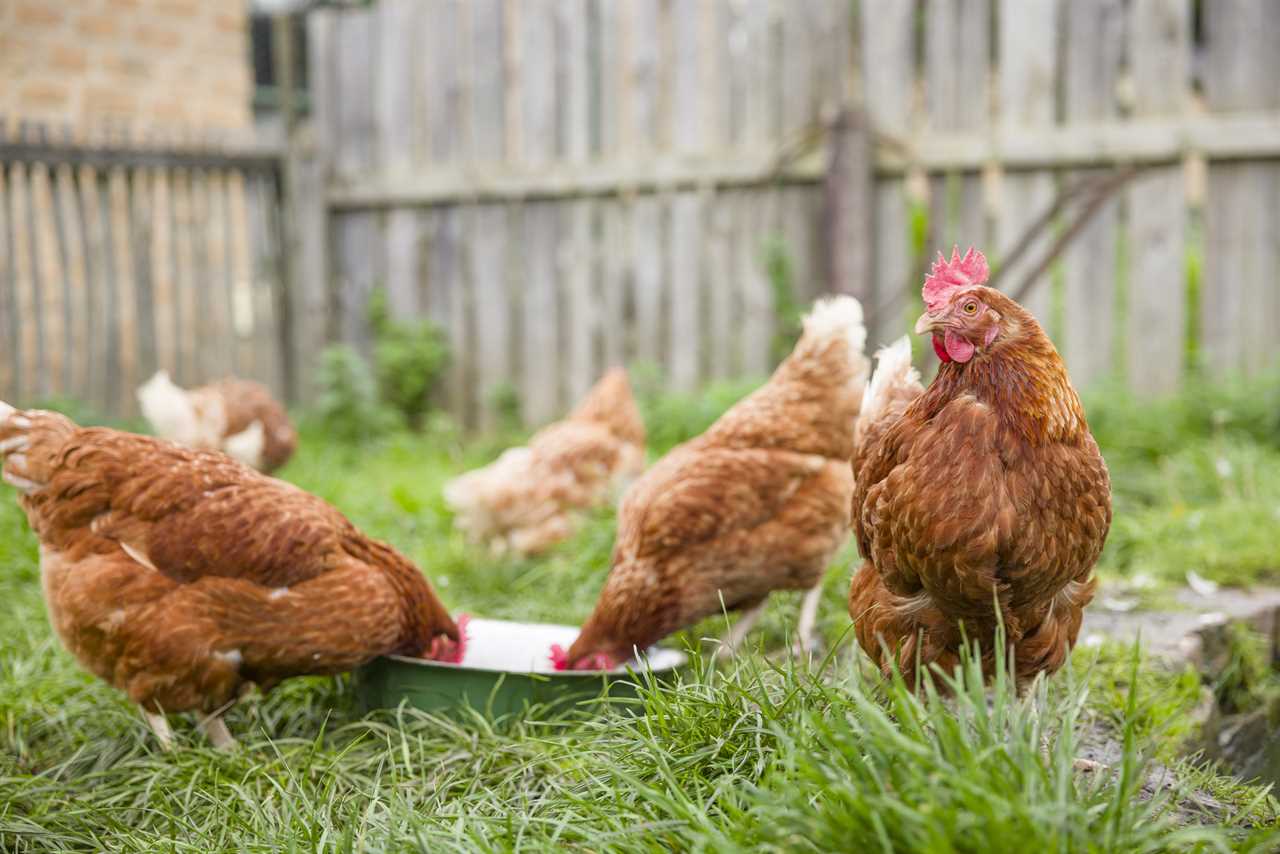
(451, 652)
(957, 273)
(559, 657)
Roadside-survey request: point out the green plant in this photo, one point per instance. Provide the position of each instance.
(786, 309)
(1245, 678)
(672, 417)
(504, 402)
(409, 357)
(347, 405)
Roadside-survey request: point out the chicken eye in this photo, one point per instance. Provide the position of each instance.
(970, 308)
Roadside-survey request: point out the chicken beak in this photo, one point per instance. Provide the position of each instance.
(925, 324)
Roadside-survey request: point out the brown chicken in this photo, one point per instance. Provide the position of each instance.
(531, 497)
(235, 416)
(181, 576)
(982, 498)
(757, 503)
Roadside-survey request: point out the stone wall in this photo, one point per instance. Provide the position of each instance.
(168, 64)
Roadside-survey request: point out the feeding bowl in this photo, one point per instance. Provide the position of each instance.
(506, 668)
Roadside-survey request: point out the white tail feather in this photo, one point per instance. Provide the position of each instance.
(246, 446)
(6, 410)
(837, 315)
(168, 409)
(893, 370)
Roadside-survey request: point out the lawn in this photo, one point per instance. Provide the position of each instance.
(761, 754)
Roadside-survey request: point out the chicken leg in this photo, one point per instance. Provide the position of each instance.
(804, 644)
(738, 633)
(215, 729)
(160, 726)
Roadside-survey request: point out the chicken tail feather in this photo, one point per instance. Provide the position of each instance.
(835, 319)
(894, 384)
(28, 442)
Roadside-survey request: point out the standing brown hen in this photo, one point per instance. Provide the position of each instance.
(759, 502)
(179, 576)
(984, 491)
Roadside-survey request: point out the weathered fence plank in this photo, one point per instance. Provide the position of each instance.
(575, 256)
(1093, 56)
(1028, 52)
(1160, 63)
(49, 283)
(164, 271)
(686, 209)
(124, 335)
(203, 323)
(888, 71)
(24, 284)
(101, 283)
(489, 265)
(244, 310)
(139, 216)
(71, 246)
(187, 371)
(8, 310)
(957, 64)
(1238, 298)
(489, 240)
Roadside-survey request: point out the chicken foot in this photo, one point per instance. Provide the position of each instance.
(738, 632)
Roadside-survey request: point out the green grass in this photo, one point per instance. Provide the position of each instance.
(1195, 479)
(760, 755)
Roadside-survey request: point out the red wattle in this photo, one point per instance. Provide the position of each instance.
(940, 348)
(959, 348)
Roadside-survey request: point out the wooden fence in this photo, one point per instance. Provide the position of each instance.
(568, 184)
(565, 184)
(1072, 87)
(119, 256)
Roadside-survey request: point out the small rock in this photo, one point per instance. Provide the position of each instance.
(1201, 585)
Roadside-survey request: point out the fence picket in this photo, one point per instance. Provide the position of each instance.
(24, 284)
(163, 267)
(1093, 56)
(186, 316)
(888, 69)
(1028, 51)
(101, 282)
(1238, 297)
(1160, 60)
(50, 283)
(8, 310)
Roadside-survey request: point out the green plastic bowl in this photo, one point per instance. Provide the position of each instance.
(506, 669)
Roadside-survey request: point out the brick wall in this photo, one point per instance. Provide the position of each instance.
(156, 63)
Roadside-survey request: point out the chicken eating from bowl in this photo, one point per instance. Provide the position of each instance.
(757, 503)
(183, 577)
